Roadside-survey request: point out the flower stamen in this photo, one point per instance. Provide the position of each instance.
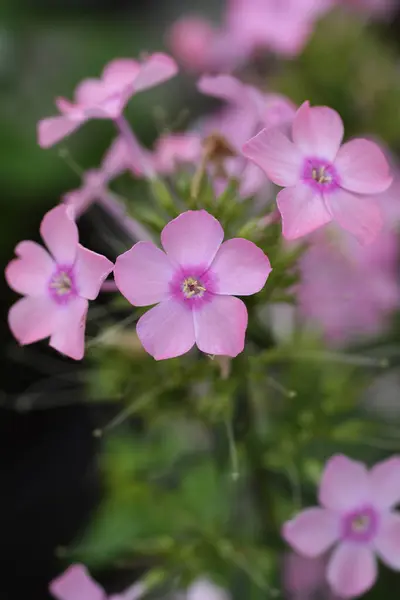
(61, 284)
(320, 175)
(193, 288)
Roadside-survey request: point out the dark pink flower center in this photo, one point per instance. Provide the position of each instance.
(62, 286)
(193, 286)
(320, 174)
(360, 525)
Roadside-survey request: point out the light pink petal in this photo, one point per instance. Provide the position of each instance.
(76, 584)
(241, 268)
(60, 234)
(276, 155)
(52, 130)
(224, 87)
(167, 330)
(220, 326)
(69, 331)
(385, 483)
(31, 272)
(122, 71)
(313, 531)
(89, 92)
(302, 209)
(361, 215)
(352, 570)
(203, 589)
(143, 273)
(193, 238)
(344, 484)
(156, 69)
(116, 159)
(32, 319)
(387, 542)
(90, 270)
(318, 131)
(363, 168)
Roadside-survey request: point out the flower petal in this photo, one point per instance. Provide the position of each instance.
(224, 87)
(156, 69)
(302, 209)
(276, 155)
(385, 483)
(203, 589)
(313, 531)
(69, 331)
(387, 542)
(344, 484)
(220, 326)
(363, 168)
(90, 270)
(32, 319)
(52, 130)
(318, 131)
(352, 570)
(241, 268)
(167, 330)
(60, 234)
(360, 215)
(31, 272)
(143, 273)
(76, 584)
(193, 238)
(120, 72)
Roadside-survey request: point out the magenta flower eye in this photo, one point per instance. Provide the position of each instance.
(192, 287)
(62, 285)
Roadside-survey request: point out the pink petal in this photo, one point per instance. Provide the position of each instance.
(387, 542)
(116, 159)
(32, 319)
(313, 531)
(361, 215)
(302, 209)
(276, 155)
(156, 69)
(52, 130)
(76, 584)
(352, 570)
(202, 589)
(224, 87)
(31, 271)
(69, 331)
(220, 326)
(60, 234)
(143, 273)
(121, 71)
(241, 268)
(344, 484)
(363, 168)
(385, 483)
(167, 330)
(193, 238)
(90, 270)
(318, 131)
(90, 91)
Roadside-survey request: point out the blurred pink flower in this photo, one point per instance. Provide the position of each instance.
(305, 578)
(193, 283)
(56, 286)
(203, 589)
(105, 98)
(174, 150)
(76, 584)
(357, 517)
(323, 179)
(282, 26)
(336, 272)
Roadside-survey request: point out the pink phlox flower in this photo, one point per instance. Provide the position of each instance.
(356, 518)
(336, 272)
(175, 150)
(56, 285)
(76, 584)
(323, 180)
(106, 97)
(281, 26)
(304, 578)
(193, 283)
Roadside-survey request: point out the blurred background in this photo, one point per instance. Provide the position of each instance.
(50, 473)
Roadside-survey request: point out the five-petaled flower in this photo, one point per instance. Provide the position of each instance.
(105, 98)
(358, 517)
(323, 180)
(56, 286)
(193, 283)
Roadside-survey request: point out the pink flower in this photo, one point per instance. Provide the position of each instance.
(323, 180)
(357, 517)
(56, 286)
(176, 149)
(193, 283)
(105, 98)
(76, 584)
(304, 578)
